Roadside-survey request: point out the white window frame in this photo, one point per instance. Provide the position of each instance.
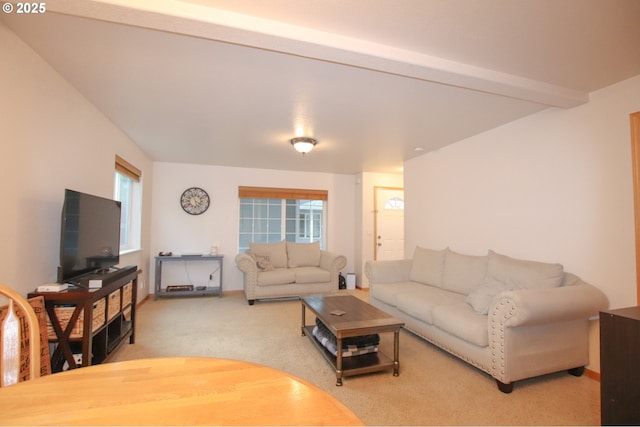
(128, 190)
(270, 219)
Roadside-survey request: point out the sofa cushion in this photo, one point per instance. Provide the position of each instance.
(421, 302)
(525, 274)
(460, 320)
(278, 276)
(427, 266)
(311, 275)
(388, 292)
(303, 254)
(481, 297)
(463, 273)
(276, 253)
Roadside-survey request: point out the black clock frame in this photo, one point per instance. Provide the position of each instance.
(201, 207)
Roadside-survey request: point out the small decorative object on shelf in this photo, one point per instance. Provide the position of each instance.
(52, 287)
(175, 288)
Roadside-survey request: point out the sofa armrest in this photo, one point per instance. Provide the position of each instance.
(530, 307)
(388, 271)
(332, 262)
(246, 263)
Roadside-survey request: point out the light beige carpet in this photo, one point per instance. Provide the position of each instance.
(433, 388)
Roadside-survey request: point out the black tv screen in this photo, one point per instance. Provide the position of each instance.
(90, 235)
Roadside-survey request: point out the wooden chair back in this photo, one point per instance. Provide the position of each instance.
(12, 338)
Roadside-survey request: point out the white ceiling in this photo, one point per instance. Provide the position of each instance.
(228, 82)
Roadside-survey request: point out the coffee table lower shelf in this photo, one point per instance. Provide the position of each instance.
(354, 365)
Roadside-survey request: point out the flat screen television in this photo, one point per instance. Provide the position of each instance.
(89, 236)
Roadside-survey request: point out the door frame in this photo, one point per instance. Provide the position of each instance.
(375, 215)
(634, 119)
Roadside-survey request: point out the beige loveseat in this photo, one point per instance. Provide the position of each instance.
(511, 318)
(286, 269)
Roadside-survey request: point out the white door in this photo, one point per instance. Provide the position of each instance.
(389, 223)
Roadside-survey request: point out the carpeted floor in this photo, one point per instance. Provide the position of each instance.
(433, 388)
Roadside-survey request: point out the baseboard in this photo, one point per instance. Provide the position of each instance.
(592, 374)
(232, 292)
(139, 303)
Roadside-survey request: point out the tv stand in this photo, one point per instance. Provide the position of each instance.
(108, 318)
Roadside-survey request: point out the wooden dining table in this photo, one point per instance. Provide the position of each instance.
(171, 391)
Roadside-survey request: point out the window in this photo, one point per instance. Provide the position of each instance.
(128, 192)
(394, 203)
(270, 215)
(310, 214)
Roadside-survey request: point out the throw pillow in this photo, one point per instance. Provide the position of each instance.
(303, 254)
(480, 298)
(277, 252)
(527, 274)
(427, 266)
(463, 273)
(263, 262)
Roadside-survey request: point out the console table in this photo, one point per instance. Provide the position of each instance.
(108, 318)
(208, 290)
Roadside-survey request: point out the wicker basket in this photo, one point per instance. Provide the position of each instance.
(126, 313)
(127, 294)
(64, 315)
(113, 305)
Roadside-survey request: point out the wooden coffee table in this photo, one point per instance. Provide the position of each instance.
(359, 319)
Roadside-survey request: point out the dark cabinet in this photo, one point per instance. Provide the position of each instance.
(85, 326)
(620, 366)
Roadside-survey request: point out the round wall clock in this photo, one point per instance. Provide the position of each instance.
(194, 201)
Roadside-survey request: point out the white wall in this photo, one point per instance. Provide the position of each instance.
(555, 186)
(52, 139)
(176, 231)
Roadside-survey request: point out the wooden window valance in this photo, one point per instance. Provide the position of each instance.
(281, 193)
(128, 169)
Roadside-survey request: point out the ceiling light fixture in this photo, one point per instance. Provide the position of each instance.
(303, 144)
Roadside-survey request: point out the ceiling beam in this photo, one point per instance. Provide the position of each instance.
(214, 24)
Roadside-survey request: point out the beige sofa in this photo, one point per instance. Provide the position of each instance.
(511, 318)
(286, 269)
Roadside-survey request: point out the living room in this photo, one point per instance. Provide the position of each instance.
(554, 186)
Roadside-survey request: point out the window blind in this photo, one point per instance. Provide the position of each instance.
(128, 169)
(281, 193)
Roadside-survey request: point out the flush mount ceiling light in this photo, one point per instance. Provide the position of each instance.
(303, 144)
